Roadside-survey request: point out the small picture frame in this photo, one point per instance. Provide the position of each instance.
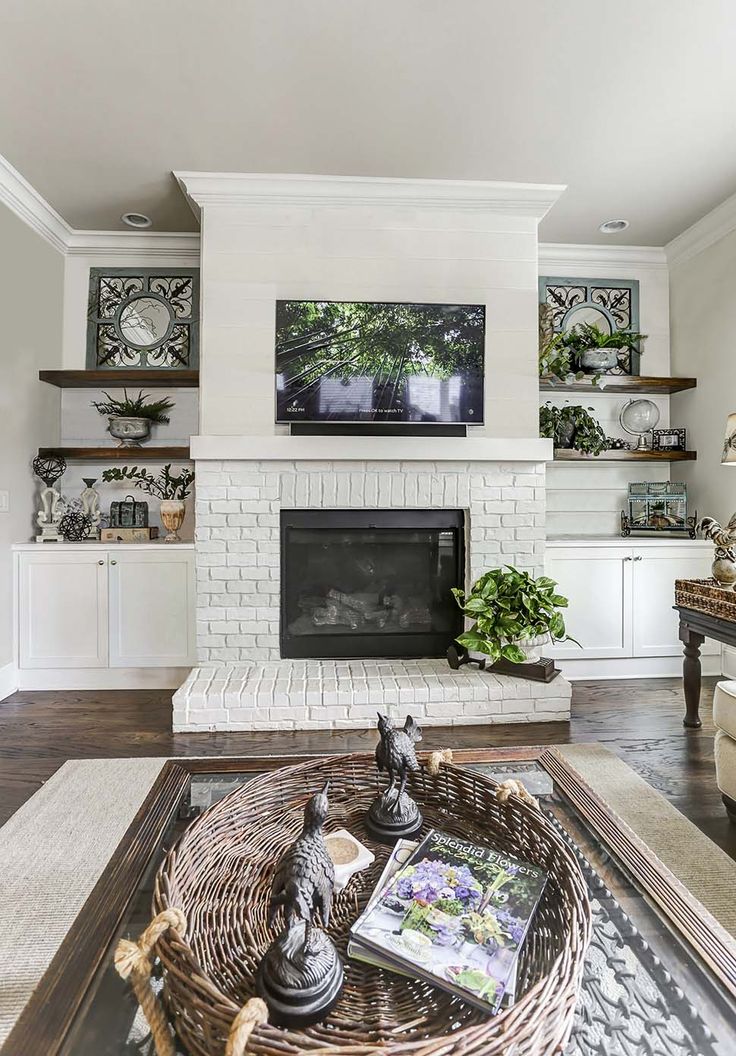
(669, 439)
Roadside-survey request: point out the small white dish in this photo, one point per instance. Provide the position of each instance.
(348, 855)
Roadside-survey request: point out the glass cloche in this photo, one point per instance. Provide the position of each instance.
(639, 417)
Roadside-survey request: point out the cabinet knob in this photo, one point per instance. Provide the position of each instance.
(639, 558)
(113, 562)
(100, 562)
(628, 559)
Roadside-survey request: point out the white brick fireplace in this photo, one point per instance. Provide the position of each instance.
(330, 238)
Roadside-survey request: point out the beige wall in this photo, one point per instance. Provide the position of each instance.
(703, 329)
(31, 294)
(254, 255)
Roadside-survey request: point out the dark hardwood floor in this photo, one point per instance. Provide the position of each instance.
(639, 720)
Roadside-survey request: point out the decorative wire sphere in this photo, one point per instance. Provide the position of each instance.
(49, 468)
(639, 416)
(75, 526)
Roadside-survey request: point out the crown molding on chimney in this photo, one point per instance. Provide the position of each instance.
(705, 232)
(235, 188)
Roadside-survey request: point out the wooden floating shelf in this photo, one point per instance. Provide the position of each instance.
(626, 384)
(567, 455)
(116, 379)
(133, 455)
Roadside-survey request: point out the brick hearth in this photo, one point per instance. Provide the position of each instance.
(340, 694)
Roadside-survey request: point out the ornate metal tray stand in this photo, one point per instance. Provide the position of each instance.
(393, 815)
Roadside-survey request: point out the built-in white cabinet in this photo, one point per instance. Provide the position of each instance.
(93, 616)
(621, 595)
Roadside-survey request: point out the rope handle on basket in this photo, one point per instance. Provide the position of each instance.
(515, 788)
(133, 961)
(436, 759)
(254, 1013)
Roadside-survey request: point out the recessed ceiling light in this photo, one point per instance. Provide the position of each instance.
(136, 220)
(612, 227)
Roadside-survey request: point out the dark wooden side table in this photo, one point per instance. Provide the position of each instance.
(695, 627)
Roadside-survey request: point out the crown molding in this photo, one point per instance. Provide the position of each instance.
(711, 228)
(28, 205)
(581, 258)
(151, 245)
(235, 188)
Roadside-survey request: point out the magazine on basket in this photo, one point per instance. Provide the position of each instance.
(454, 914)
(398, 857)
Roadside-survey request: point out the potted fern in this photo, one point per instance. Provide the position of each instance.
(572, 426)
(596, 352)
(512, 614)
(130, 419)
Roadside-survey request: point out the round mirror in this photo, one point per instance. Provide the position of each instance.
(144, 321)
(588, 313)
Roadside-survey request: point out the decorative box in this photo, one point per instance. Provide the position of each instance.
(128, 535)
(129, 513)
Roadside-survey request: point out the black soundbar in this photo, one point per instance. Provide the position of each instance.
(375, 429)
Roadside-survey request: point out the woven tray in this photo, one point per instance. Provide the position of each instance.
(704, 595)
(220, 876)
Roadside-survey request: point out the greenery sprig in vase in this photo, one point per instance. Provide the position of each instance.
(172, 489)
(130, 419)
(165, 486)
(510, 607)
(572, 426)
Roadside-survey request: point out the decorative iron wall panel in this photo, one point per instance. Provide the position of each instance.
(143, 317)
(607, 302)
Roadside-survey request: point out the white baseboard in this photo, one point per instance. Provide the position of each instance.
(8, 680)
(102, 678)
(634, 667)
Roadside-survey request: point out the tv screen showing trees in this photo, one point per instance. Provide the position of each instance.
(354, 361)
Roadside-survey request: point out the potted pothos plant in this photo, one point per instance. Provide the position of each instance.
(572, 426)
(512, 614)
(172, 489)
(594, 351)
(130, 419)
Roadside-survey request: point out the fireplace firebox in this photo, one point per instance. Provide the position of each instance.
(370, 583)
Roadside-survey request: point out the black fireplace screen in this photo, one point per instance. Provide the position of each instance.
(370, 582)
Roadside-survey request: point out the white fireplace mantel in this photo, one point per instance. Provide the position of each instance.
(370, 449)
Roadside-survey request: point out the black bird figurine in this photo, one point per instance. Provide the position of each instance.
(301, 975)
(394, 814)
(395, 752)
(305, 876)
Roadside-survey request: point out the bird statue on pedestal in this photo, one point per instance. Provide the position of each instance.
(301, 974)
(393, 814)
(395, 752)
(305, 876)
(724, 558)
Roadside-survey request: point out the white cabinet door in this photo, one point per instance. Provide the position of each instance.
(152, 608)
(62, 609)
(597, 582)
(655, 622)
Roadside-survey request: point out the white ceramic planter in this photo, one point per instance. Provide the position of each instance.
(131, 432)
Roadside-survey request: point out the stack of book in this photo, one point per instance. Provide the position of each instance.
(453, 914)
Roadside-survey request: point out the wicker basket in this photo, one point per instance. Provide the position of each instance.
(220, 875)
(704, 595)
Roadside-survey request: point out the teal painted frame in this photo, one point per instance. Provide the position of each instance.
(632, 285)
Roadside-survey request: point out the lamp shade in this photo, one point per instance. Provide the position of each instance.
(728, 457)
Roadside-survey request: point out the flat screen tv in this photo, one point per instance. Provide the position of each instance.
(356, 361)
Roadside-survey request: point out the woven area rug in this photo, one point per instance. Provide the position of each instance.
(53, 850)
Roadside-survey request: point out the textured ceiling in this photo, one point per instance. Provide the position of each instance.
(631, 104)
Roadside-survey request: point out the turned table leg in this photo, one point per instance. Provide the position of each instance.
(692, 642)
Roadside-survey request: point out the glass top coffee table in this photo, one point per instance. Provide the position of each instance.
(660, 974)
